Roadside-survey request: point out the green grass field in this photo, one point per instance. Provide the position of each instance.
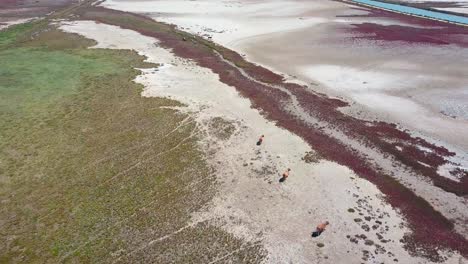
(90, 171)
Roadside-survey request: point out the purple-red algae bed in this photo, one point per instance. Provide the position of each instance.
(430, 229)
(412, 29)
(381, 135)
(439, 36)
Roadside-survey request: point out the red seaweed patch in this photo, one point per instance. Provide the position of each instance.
(438, 36)
(417, 30)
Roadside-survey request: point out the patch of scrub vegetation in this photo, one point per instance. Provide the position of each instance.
(311, 157)
(91, 171)
(221, 128)
(11, 34)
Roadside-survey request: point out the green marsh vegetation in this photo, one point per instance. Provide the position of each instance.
(91, 171)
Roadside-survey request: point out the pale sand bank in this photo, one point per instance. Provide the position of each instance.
(251, 203)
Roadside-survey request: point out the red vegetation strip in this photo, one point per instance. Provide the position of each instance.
(439, 36)
(431, 230)
(422, 31)
(385, 137)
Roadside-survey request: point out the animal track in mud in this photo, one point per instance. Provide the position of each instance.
(373, 223)
(311, 157)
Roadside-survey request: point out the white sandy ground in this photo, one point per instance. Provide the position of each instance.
(224, 27)
(379, 91)
(229, 22)
(461, 9)
(251, 203)
(6, 24)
